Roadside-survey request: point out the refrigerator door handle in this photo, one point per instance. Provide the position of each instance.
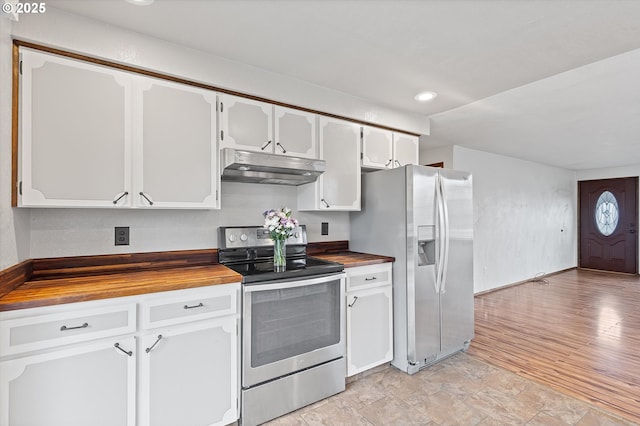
(440, 236)
(445, 262)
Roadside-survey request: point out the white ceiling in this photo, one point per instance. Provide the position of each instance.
(553, 81)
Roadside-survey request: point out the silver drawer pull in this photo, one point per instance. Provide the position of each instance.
(117, 346)
(199, 305)
(370, 279)
(65, 328)
(355, 299)
(154, 344)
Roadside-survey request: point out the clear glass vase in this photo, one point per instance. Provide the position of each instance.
(279, 255)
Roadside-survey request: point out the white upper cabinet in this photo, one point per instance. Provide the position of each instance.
(75, 135)
(377, 148)
(245, 124)
(295, 133)
(92, 136)
(383, 149)
(338, 188)
(259, 126)
(405, 149)
(175, 153)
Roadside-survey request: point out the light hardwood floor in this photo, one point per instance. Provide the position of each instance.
(579, 333)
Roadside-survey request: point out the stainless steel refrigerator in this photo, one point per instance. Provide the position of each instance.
(422, 216)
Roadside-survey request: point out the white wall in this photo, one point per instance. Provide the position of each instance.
(52, 232)
(609, 173)
(442, 154)
(14, 223)
(524, 218)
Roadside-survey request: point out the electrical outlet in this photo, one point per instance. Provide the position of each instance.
(324, 228)
(122, 235)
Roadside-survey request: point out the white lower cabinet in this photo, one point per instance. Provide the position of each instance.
(369, 317)
(179, 367)
(90, 384)
(186, 374)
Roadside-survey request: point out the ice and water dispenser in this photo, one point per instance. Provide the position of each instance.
(426, 245)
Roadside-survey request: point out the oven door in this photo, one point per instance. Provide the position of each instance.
(288, 326)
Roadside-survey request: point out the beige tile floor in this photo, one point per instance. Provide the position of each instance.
(460, 390)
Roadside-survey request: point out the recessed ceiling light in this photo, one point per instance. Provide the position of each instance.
(140, 2)
(425, 96)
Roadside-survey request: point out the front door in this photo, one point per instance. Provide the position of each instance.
(608, 224)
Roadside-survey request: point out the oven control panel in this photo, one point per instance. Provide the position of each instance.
(254, 236)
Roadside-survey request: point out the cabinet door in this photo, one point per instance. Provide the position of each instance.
(405, 149)
(174, 144)
(295, 133)
(92, 384)
(377, 148)
(339, 185)
(246, 124)
(369, 329)
(75, 133)
(189, 375)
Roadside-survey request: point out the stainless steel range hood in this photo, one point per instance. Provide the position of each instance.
(258, 167)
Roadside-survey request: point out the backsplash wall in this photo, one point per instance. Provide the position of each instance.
(78, 232)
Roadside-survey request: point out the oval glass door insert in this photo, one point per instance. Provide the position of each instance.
(606, 213)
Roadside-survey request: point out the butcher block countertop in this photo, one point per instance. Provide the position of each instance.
(45, 282)
(351, 259)
(94, 287)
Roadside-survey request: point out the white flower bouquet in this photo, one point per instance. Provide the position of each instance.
(279, 223)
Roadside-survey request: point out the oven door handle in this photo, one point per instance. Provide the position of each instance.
(293, 283)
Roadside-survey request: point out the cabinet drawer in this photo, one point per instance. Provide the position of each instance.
(189, 306)
(362, 277)
(45, 331)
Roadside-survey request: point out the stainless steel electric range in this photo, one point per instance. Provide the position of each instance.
(293, 326)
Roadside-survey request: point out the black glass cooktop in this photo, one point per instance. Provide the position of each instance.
(260, 271)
